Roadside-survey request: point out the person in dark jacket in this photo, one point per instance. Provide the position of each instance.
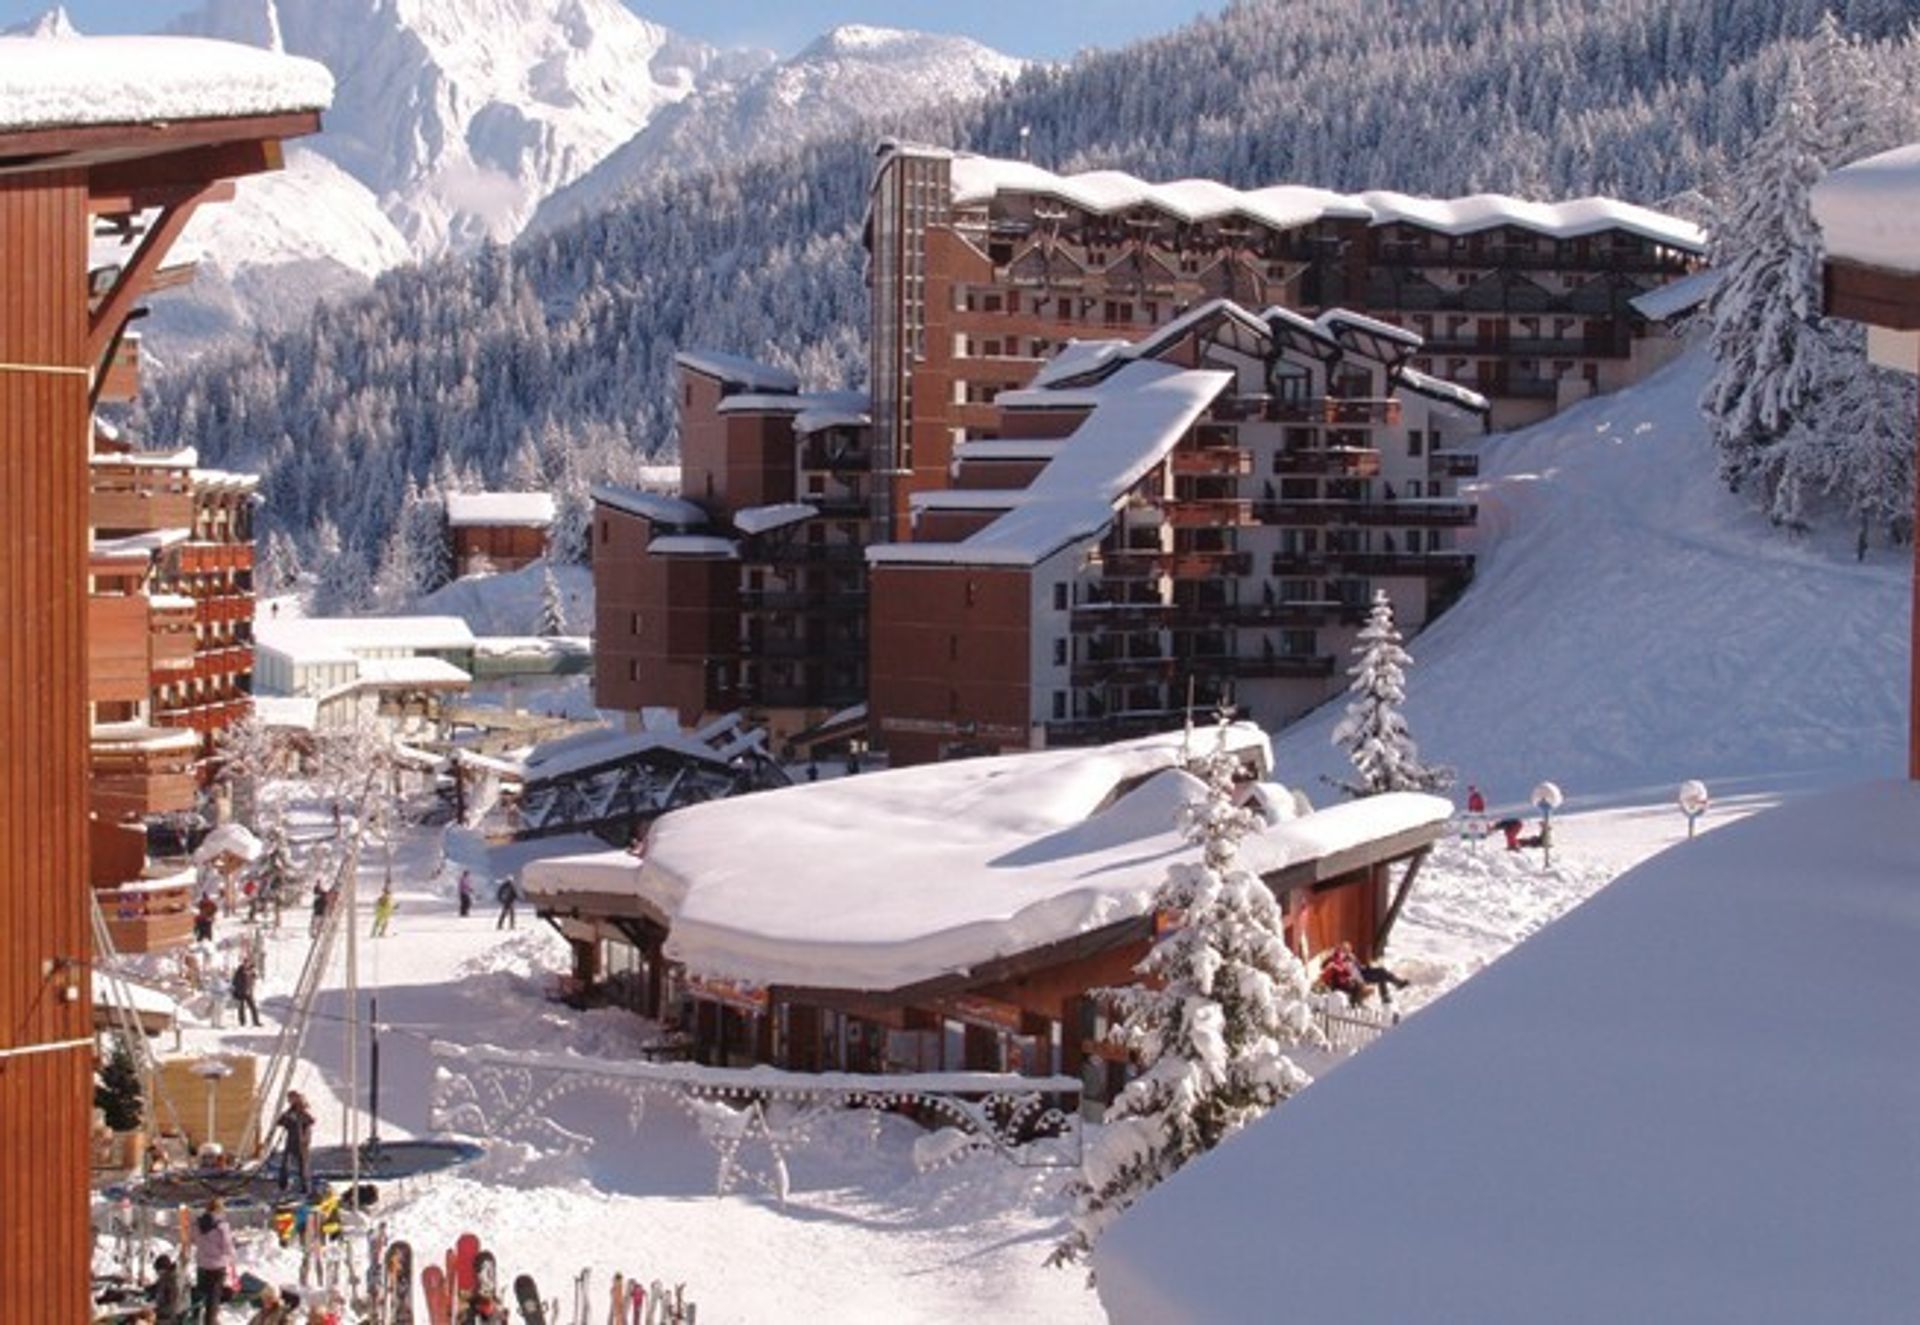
(507, 894)
(203, 919)
(296, 1120)
(466, 892)
(243, 983)
(167, 1292)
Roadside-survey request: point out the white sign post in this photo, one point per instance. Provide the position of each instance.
(1693, 802)
(1546, 799)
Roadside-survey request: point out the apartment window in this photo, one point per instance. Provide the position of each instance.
(1059, 705)
(1416, 442)
(973, 591)
(606, 530)
(634, 625)
(991, 303)
(1059, 653)
(633, 669)
(1060, 597)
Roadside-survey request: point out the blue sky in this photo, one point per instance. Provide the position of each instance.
(1052, 29)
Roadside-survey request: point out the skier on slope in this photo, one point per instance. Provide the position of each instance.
(383, 909)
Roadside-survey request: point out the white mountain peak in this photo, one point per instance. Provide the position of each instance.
(53, 23)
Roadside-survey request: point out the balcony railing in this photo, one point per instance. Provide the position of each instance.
(139, 498)
(197, 558)
(803, 648)
(1219, 460)
(1209, 513)
(1124, 563)
(1454, 464)
(225, 607)
(148, 916)
(137, 770)
(1341, 461)
(831, 554)
(1338, 410)
(205, 718)
(1402, 563)
(1412, 513)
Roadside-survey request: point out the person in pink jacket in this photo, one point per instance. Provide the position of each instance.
(212, 1258)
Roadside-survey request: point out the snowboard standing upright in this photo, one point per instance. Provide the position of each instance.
(399, 1283)
(527, 1294)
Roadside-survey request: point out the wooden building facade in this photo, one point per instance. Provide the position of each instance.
(59, 329)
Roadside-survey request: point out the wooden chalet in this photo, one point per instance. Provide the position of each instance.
(1873, 276)
(129, 132)
(501, 531)
(1022, 1000)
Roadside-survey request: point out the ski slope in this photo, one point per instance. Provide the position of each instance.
(1633, 624)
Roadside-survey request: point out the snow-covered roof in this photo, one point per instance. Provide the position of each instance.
(759, 519)
(48, 82)
(1138, 415)
(967, 499)
(471, 509)
(977, 179)
(332, 639)
(818, 418)
(1677, 297)
(1439, 388)
(299, 712)
(693, 545)
(229, 839)
(838, 403)
(655, 506)
(600, 746)
(739, 371)
(1599, 1127)
(883, 880)
(229, 479)
(412, 673)
(1009, 448)
(1076, 359)
(1869, 212)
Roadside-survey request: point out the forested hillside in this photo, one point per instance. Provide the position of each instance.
(550, 361)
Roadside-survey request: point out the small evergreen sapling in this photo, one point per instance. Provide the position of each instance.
(117, 1093)
(1373, 731)
(553, 603)
(1221, 1000)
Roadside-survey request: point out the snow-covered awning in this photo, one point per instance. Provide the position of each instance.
(48, 82)
(693, 545)
(1677, 297)
(1438, 388)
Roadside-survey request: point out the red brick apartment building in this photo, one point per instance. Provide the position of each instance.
(749, 591)
(109, 134)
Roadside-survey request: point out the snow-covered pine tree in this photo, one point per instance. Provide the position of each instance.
(426, 525)
(1373, 731)
(279, 565)
(553, 603)
(1765, 312)
(1221, 1000)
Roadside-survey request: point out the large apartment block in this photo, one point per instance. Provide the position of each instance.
(981, 268)
(1017, 316)
(1198, 517)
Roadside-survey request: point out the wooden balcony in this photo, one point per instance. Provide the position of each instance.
(224, 608)
(172, 634)
(1216, 460)
(138, 498)
(1418, 564)
(1410, 514)
(1342, 411)
(1209, 513)
(199, 558)
(1132, 563)
(1337, 461)
(149, 915)
(138, 770)
(207, 718)
(1454, 464)
(119, 648)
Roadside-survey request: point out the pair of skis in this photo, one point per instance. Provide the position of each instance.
(468, 1272)
(632, 1303)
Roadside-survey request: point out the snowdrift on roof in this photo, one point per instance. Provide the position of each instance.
(879, 881)
(1599, 1128)
(48, 82)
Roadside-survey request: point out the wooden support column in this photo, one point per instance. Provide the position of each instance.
(46, 1063)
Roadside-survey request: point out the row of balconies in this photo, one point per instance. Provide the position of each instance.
(805, 602)
(1101, 618)
(1133, 563)
(139, 498)
(788, 647)
(196, 558)
(1417, 514)
(137, 770)
(1415, 564)
(206, 718)
(1158, 671)
(225, 608)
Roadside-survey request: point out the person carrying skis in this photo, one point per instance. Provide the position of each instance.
(383, 908)
(296, 1120)
(243, 982)
(212, 1258)
(507, 894)
(466, 893)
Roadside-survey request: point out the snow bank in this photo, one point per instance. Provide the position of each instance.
(1689, 1099)
(230, 839)
(70, 80)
